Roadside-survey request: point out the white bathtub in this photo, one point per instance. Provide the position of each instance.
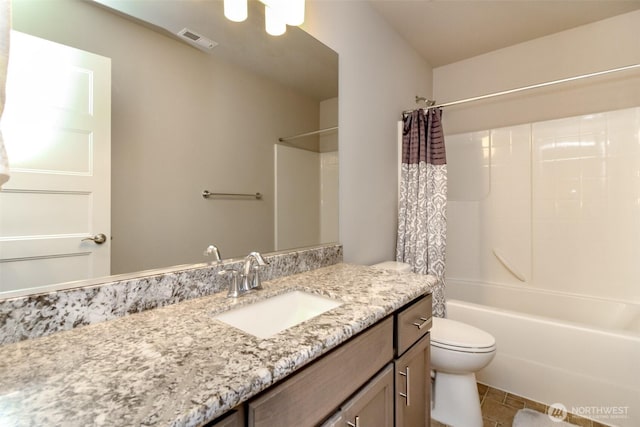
(555, 348)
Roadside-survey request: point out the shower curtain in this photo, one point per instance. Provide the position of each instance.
(422, 223)
(5, 26)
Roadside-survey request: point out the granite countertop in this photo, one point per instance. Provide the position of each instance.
(179, 366)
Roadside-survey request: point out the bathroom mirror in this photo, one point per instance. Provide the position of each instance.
(186, 119)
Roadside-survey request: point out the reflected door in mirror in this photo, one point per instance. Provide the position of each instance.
(56, 128)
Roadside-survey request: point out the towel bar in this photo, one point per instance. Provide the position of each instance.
(206, 194)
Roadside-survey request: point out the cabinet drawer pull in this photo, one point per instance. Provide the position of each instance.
(421, 325)
(407, 375)
(357, 424)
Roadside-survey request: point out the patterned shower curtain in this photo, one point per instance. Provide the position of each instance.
(422, 222)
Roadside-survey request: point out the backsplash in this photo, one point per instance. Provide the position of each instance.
(44, 314)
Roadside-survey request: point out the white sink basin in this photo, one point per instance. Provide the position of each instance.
(268, 317)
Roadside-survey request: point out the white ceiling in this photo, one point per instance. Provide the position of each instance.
(446, 31)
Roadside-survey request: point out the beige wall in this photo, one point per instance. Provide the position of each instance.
(379, 77)
(603, 45)
(182, 122)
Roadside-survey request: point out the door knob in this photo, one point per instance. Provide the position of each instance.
(98, 239)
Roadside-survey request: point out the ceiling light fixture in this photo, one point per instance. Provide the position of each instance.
(277, 15)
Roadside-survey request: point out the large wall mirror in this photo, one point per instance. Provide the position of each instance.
(183, 118)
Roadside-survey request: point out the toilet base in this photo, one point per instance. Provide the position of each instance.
(456, 401)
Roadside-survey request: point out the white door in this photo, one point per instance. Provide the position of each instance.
(57, 130)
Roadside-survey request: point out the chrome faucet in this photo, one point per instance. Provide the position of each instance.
(251, 273)
(247, 280)
(213, 250)
(234, 289)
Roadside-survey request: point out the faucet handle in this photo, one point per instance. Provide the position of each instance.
(234, 288)
(248, 262)
(213, 250)
(259, 259)
(256, 282)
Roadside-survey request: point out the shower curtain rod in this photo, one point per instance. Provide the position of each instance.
(534, 86)
(315, 132)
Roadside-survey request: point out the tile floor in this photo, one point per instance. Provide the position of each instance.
(499, 408)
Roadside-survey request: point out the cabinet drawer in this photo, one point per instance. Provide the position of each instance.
(311, 395)
(413, 323)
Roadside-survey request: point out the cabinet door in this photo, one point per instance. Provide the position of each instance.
(413, 386)
(373, 405)
(314, 393)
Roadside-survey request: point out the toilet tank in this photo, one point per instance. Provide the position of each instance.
(398, 267)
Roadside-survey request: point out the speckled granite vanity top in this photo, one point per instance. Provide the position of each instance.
(179, 366)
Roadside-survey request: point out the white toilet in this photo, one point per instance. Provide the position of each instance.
(458, 351)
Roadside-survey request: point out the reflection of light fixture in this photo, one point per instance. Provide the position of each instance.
(278, 13)
(294, 12)
(273, 21)
(235, 10)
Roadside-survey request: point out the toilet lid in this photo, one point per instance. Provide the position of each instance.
(397, 267)
(451, 333)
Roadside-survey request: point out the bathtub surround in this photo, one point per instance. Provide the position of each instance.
(329, 176)
(558, 205)
(557, 193)
(574, 175)
(46, 313)
(422, 222)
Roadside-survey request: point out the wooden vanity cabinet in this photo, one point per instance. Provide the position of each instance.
(410, 379)
(310, 396)
(379, 378)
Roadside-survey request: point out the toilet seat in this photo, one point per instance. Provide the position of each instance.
(457, 336)
(464, 349)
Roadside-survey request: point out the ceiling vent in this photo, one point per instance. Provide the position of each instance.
(196, 39)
